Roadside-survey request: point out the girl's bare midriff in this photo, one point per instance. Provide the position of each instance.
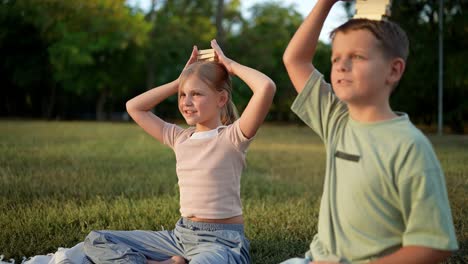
(232, 220)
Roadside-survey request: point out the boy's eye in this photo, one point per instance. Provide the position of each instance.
(334, 60)
(181, 95)
(359, 57)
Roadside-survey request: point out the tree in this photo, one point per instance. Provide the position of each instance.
(177, 26)
(418, 88)
(261, 43)
(87, 45)
(24, 65)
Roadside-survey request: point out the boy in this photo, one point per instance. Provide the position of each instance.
(384, 198)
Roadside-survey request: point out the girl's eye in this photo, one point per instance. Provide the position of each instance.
(334, 60)
(359, 57)
(181, 95)
(196, 94)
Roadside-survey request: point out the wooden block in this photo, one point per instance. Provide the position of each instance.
(373, 9)
(211, 59)
(205, 51)
(206, 55)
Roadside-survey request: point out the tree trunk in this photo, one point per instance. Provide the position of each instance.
(150, 66)
(48, 103)
(220, 34)
(100, 113)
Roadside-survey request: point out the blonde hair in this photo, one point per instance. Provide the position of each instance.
(217, 78)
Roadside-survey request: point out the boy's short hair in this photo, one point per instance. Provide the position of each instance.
(391, 36)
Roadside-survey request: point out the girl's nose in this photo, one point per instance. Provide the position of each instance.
(187, 100)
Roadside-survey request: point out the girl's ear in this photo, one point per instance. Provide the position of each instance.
(222, 98)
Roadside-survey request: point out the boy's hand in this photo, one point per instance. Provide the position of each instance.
(221, 57)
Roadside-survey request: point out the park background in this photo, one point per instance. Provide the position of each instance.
(66, 64)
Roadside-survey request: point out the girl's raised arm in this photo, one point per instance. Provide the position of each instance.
(139, 108)
(263, 89)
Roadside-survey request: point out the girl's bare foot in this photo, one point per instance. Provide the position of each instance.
(178, 260)
(173, 260)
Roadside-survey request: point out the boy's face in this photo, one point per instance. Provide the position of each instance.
(359, 69)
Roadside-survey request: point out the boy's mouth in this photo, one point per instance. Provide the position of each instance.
(344, 81)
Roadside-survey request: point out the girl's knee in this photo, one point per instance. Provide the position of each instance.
(94, 237)
(212, 257)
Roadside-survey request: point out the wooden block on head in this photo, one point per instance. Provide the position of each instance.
(205, 51)
(373, 9)
(206, 55)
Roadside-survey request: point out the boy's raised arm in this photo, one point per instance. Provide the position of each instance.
(301, 49)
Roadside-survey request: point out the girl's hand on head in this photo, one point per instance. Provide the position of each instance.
(193, 57)
(191, 60)
(219, 54)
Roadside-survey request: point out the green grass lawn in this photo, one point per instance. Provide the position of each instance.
(60, 180)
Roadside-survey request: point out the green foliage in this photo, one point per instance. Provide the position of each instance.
(85, 45)
(60, 180)
(417, 93)
(260, 43)
(64, 59)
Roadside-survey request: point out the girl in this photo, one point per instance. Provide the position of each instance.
(210, 157)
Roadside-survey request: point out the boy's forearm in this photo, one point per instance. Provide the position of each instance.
(302, 46)
(414, 255)
(147, 100)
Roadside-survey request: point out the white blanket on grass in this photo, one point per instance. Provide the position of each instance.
(74, 255)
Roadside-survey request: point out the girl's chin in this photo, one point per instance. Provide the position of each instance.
(190, 122)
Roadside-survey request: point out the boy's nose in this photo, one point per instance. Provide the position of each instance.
(343, 65)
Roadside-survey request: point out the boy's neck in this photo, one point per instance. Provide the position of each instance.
(371, 113)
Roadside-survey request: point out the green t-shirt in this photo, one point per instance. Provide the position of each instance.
(384, 187)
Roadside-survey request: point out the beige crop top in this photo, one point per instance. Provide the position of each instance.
(209, 170)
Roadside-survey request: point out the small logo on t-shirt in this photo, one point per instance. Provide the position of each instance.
(346, 156)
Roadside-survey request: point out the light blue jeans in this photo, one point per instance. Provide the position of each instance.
(197, 242)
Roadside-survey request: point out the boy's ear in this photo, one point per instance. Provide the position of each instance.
(397, 68)
(222, 98)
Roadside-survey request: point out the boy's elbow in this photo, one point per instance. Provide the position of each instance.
(292, 61)
(287, 60)
(291, 58)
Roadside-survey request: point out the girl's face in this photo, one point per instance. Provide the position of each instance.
(199, 104)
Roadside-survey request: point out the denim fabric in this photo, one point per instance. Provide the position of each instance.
(195, 241)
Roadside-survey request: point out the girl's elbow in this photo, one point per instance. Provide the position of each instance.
(271, 87)
(130, 106)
